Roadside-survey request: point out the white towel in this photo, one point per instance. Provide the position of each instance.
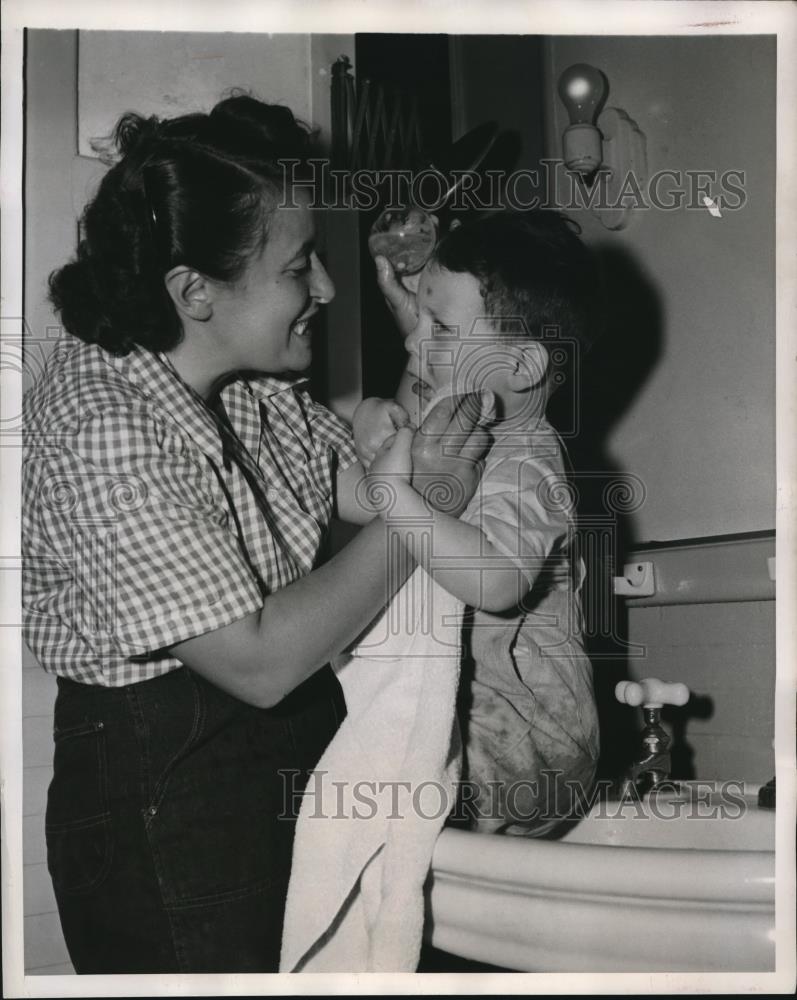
(362, 850)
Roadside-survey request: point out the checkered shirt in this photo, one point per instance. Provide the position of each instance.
(138, 531)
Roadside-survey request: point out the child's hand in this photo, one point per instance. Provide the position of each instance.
(399, 295)
(375, 422)
(394, 458)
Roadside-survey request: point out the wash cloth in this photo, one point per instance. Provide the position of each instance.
(380, 794)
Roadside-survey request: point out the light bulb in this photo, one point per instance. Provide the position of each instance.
(582, 89)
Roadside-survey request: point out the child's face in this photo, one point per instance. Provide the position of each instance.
(452, 347)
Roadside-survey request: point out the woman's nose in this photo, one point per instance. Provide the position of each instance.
(322, 287)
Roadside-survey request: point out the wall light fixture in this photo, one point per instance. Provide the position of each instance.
(583, 90)
(605, 148)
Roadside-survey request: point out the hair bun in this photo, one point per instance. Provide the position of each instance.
(133, 129)
(242, 118)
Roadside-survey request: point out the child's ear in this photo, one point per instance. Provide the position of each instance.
(531, 365)
(190, 292)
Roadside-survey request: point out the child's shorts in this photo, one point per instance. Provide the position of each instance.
(530, 732)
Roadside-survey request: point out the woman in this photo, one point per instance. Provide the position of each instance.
(178, 486)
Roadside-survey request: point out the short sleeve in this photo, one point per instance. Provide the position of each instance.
(329, 431)
(524, 509)
(136, 520)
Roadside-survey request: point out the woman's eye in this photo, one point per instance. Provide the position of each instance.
(303, 267)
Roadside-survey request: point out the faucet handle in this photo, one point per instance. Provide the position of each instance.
(651, 693)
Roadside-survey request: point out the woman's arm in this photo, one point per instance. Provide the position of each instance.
(261, 657)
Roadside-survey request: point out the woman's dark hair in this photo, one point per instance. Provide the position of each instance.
(535, 273)
(197, 190)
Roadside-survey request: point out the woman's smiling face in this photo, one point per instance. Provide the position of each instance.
(262, 321)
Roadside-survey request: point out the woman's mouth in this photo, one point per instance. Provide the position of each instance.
(301, 328)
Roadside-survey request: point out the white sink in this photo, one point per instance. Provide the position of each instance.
(683, 881)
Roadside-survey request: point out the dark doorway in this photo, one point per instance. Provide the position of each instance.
(417, 66)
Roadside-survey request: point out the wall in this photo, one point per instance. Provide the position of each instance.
(187, 72)
(685, 392)
(694, 295)
(114, 73)
(50, 233)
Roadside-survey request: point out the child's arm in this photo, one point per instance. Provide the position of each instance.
(474, 570)
(460, 557)
(375, 421)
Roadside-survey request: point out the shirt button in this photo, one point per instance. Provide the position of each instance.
(272, 493)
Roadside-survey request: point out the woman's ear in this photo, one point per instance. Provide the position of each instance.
(190, 292)
(531, 365)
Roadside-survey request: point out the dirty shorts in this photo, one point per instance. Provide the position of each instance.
(529, 720)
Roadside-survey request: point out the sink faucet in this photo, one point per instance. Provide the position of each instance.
(652, 694)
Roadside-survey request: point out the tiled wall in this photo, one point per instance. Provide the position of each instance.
(725, 653)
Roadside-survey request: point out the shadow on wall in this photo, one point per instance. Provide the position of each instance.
(612, 376)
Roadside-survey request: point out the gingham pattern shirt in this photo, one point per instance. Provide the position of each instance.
(136, 534)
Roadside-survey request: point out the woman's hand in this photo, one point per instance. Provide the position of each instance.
(448, 448)
(400, 295)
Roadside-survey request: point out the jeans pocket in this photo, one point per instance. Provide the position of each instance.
(78, 821)
(174, 729)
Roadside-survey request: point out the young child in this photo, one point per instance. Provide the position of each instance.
(505, 305)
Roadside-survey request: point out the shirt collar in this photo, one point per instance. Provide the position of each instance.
(265, 386)
(154, 375)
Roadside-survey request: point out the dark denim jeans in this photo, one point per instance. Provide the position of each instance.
(170, 820)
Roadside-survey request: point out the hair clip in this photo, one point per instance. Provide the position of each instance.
(148, 201)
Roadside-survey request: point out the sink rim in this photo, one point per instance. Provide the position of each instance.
(663, 820)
